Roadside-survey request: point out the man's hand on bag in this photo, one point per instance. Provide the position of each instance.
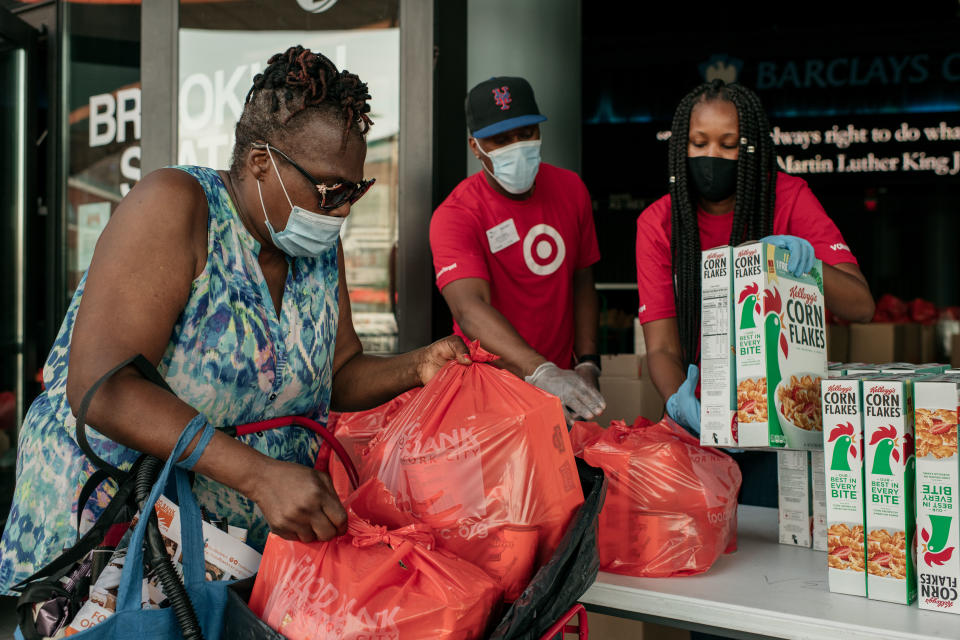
(299, 503)
(579, 399)
(684, 406)
(433, 357)
(590, 373)
(801, 251)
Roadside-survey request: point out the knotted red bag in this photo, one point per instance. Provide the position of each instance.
(376, 581)
(671, 506)
(483, 458)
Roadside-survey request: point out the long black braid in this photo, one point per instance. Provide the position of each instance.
(755, 195)
(298, 81)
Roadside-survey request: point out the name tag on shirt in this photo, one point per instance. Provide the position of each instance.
(502, 236)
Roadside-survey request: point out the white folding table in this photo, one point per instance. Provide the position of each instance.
(765, 589)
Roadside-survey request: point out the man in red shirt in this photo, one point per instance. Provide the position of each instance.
(513, 246)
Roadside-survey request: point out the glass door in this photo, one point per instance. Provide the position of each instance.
(16, 46)
(224, 45)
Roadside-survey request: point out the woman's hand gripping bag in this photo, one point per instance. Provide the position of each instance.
(483, 458)
(355, 429)
(671, 506)
(375, 581)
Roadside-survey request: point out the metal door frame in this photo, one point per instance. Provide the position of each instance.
(24, 39)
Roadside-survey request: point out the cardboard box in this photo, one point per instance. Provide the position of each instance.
(818, 491)
(911, 343)
(890, 477)
(639, 344)
(838, 343)
(795, 514)
(718, 365)
(877, 342)
(880, 342)
(627, 399)
(624, 365)
(843, 466)
(938, 563)
(781, 349)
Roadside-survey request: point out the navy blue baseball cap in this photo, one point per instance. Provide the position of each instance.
(500, 104)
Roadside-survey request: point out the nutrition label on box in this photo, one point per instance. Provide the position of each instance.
(715, 328)
(718, 400)
(793, 476)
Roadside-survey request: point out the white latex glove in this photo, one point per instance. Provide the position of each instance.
(579, 400)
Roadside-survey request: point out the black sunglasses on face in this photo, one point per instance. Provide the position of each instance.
(331, 196)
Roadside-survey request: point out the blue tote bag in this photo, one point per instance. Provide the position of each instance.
(209, 599)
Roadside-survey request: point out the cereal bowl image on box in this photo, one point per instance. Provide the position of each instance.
(798, 407)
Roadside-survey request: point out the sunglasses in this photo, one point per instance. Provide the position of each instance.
(331, 196)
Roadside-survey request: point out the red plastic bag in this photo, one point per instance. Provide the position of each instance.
(483, 458)
(923, 311)
(373, 582)
(355, 429)
(671, 506)
(890, 308)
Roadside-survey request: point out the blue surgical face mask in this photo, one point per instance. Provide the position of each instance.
(515, 166)
(307, 234)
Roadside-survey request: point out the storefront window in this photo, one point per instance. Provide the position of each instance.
(224, 45)
(102, 67)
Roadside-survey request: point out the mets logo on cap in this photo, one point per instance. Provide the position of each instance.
(502, 97)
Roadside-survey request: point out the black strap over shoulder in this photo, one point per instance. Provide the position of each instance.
(147, 371)
(47, 583)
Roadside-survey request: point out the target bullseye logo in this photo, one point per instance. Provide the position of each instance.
(543, 249)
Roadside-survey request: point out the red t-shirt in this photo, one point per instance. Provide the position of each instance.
(527, 250)
(796, 212)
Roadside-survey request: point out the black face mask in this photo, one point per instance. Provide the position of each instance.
(715, 179)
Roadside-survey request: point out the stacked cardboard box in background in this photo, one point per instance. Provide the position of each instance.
(884, 342)
(628, 389)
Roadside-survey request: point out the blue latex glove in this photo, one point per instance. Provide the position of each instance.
(801, 253)
(684, 406)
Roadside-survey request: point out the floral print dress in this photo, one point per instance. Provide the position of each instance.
(231, 356)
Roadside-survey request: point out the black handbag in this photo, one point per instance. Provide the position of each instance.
(51, 597)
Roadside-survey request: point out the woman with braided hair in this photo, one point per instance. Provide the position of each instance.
(725, 189)
(232, 284)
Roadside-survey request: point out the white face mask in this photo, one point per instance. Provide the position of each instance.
(307, 234)
(515, 166)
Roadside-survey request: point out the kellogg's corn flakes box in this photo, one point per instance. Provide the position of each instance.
(794, 498)
(938, 562)
(890, 476)
(781, 349)
(818, 490)
(843, 465)
(718, 373)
